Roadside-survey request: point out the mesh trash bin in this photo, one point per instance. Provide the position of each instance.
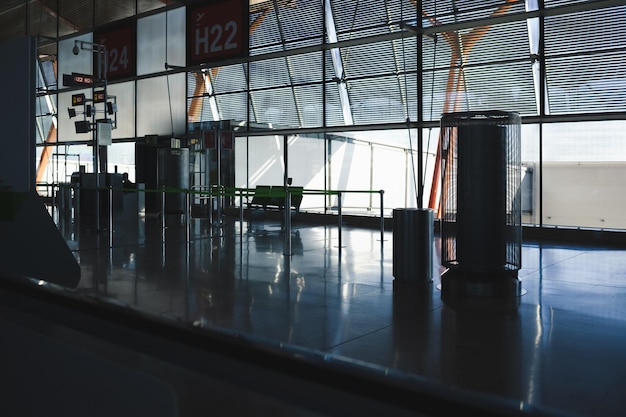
(481, 203)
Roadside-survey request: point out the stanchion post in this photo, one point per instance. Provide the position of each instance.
(97, 202)
(110, 216)
(188, 214)
(76, 190)
(339, 216)
(287, 221)
(240, 212)
(163, 211)
(219, 205)
(210, 206)
(382, 217)
(52, 211)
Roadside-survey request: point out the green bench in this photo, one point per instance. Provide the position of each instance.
(273, 197)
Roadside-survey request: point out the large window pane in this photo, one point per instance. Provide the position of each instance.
(266, 166)
(306, 168)
(152, 38)
(530, 174)
(124, 94)
(161, 105)
(121, 159)
(584, 166)
(393, 175)
(276, 107)
(350, 171)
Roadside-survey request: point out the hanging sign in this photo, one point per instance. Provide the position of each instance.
(209, 139)
(226, 139)
(121, 52)
(77, 80)
(99, 96)
(217, 31)
(78, 99)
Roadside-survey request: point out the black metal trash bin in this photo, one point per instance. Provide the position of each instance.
(413, 245)
(481, 227)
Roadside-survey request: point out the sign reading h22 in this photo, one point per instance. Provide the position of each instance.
(217, 31)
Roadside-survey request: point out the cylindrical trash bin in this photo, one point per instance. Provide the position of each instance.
(413, 245)
(481, 203)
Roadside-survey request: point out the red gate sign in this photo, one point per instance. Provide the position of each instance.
(227, 139)
(217, 31)
(209, 139)
(121, 52)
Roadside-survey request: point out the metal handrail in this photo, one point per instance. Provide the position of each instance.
(222, 191)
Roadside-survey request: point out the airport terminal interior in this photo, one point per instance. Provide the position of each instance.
(313, 208)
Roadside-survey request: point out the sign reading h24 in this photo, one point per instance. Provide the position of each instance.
(217, 31)
(119, 41)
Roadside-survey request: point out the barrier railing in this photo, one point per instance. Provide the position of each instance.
(209, 194)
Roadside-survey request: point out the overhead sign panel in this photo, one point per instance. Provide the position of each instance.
(120, 42)
(78, 99)
(99, 96)
(217, 31)
(77, 80)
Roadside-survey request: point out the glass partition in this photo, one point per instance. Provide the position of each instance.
(584, 166)
(311, 84)
(531, 174)
(124, 99)
(161, 105)
(307, 169)
(157, 46)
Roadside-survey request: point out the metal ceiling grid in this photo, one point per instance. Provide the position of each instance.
(408, 95)
(329, 73)
(306, 68)
(376, 100)
(269, 73)
(405, 53)
(401, 11)
(276, 106)
(584, 61)
(13, 19)
(229, 78)
(577, 84)
(502, 43)
(309, 101)
(57, 18)
(501, 56)
(353, 16)
(42, 23)
(501, 85)
(589, 31)
(76, 16)
(334, 112)
(231, 107)
(556, 3)
(451, 11)
(264, 34)
(302, 20)
(368, 59)
(434, 95)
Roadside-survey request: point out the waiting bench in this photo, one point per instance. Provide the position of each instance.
(273, 197)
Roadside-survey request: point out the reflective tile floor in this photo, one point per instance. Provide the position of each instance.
(561, 345)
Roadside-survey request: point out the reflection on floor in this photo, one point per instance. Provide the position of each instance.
(562, 345)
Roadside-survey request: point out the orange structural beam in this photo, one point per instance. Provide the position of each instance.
(51, 138)
(47, 152)
(460, 47)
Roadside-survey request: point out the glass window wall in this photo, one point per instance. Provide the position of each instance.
(355, 67)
